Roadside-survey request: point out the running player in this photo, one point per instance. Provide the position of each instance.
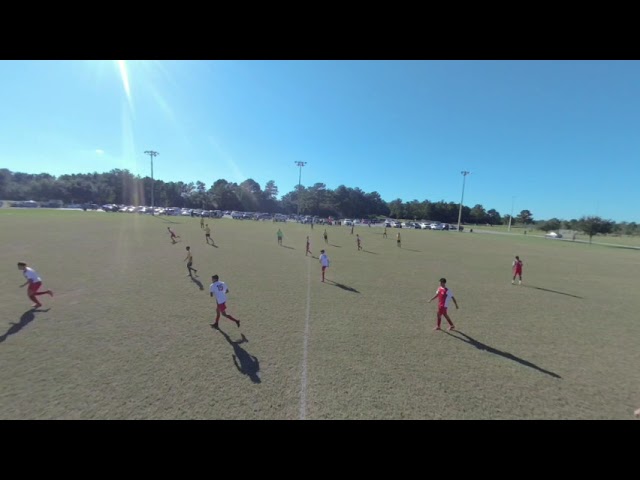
(189, 260)
(220, 290)
(35, 282)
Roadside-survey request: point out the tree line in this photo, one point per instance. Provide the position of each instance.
(121, 187)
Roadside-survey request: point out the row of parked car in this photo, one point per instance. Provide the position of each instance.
(421, 225)
(172, 211)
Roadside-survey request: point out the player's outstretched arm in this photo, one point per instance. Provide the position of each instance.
(455, 302)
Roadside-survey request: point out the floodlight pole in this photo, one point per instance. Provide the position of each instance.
(464, 177)
(299, 164)
(511, 216)
(152, 154)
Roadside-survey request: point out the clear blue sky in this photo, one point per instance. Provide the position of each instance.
(562, 137)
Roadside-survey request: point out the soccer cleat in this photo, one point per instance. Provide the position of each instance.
(36, 305)
(437, 328)
(215, 325)
(513, 282)
(452, 327)
(238, 323)
(520, 282)
(51, 293)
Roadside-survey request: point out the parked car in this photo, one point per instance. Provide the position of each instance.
(553, 235)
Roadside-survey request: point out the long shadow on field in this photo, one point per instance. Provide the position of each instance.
(342, 286)
(625, 247)
(337, 246)
(367, 251)
(164, 220)
(246, 364)
(409, 250)
(487, 348)
(290, 248)
(197, 282)
(26, 318)
(553, 291)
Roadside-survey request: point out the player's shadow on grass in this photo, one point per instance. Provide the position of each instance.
(481, 346)
(26, 318)
(213, 245)
(342, 286)
(367, 251)
(337, 246)
(553, 291)
(290, 248)
(409, 250)
(245, 363)
(197, 282)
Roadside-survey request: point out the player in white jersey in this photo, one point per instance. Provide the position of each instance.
(324, 261)
(35, 282)
(220, 290)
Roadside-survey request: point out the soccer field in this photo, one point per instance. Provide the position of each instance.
(128, 335)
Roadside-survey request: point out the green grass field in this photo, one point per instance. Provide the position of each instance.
(128, 335)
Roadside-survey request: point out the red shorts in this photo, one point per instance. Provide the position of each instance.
(34, 287)
(442, 310)
(222, 307)
(517, 271)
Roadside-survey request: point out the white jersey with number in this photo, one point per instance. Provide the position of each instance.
(30, 274)
(219, 289)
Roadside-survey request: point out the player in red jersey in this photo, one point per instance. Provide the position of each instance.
(443, 294)
(173, 235)
(308, 250)
(517, 270)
